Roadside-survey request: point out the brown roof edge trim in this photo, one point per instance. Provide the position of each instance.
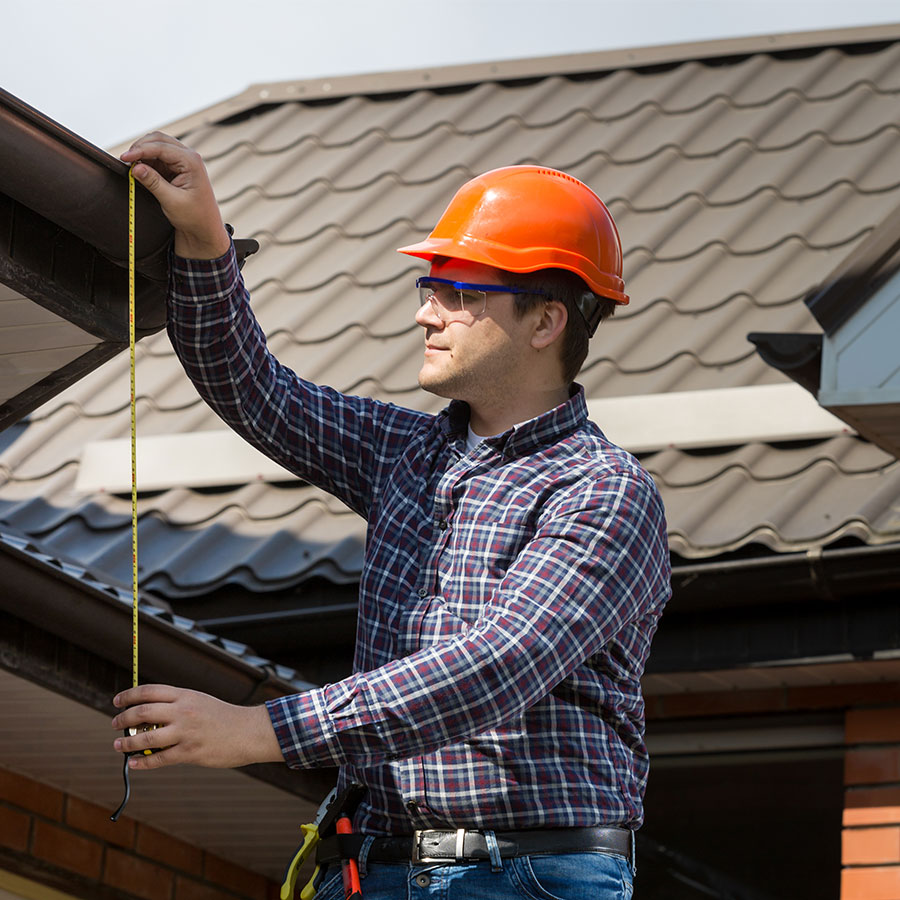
(798, 355)
(502, 70)
(55, 598)
(77, 186)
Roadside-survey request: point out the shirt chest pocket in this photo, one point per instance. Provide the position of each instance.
(474, 554)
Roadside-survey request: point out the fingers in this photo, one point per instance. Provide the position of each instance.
(147, 693)
(151, 739)
(144, 714)
(147, 704)
(151, 179)
(157, 760)
(155, 145)
(177, 178)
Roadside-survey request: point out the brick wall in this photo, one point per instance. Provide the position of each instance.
(871, 835)
(71, 845)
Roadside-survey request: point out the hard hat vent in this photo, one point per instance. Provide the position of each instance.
(558, 175)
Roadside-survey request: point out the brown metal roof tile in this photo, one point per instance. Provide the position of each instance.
(737, 186)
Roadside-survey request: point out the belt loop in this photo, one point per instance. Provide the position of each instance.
(633, 853)
(363, 857)
(493, 849)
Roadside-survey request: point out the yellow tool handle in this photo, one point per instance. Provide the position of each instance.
(310, 839)
(309, 890)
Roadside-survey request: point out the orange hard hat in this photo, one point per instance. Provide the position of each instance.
(525, 218)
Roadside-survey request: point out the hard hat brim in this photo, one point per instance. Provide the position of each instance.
(530, 259)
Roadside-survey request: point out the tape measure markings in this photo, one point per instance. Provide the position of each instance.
(134, 516)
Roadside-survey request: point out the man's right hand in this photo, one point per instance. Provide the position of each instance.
(176, 176)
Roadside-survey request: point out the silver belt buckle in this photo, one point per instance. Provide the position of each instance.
(419, 857)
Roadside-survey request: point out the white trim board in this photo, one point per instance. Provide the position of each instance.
(685, 420)
(716, 418)
(197, 459)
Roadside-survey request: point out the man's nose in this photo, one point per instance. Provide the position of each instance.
(427, 316)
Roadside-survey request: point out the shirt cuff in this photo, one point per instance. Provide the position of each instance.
(193, 281)
(301, 726)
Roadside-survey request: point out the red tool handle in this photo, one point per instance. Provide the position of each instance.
(349, 869)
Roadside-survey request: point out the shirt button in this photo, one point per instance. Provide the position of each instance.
(412, 806)
(442, 524)
(422, 592)
(423, 880)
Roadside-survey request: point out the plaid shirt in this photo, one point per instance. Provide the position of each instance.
(506, 604)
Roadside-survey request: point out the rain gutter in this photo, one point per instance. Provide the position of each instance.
(79, 187)
(816, 574)
(97, 618)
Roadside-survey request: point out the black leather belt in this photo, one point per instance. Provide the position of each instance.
(458, 845)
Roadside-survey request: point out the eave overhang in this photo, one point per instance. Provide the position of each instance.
(64, 248)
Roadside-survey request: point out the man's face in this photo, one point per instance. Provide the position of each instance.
(473, 358)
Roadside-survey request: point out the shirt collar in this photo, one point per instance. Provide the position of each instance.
(544, 429)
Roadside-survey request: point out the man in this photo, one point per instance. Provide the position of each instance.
(516, 561)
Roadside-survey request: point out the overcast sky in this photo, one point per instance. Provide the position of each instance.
(112, 70)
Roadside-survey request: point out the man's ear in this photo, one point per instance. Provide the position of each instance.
(550, 325)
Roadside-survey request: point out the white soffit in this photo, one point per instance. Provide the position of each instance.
(687, 419)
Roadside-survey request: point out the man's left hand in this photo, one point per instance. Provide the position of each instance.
(193, 728)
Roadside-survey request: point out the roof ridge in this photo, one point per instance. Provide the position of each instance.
(375, 83)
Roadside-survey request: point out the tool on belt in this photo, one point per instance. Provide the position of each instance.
(333, 817)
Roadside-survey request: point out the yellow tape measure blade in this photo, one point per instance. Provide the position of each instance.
(134, 516)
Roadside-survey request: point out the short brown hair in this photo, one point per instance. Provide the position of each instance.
(567, 288)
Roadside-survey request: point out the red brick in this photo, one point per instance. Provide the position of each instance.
(20, 790)
(868, 846)
(133, 875)
(14, 827)
(95, 821)
(169, 850)
(189, 889)
(873, 726)
(841, 696)
(872, 883)
(715, 703)
(872, 806)
(67, 849)
(872, 766)
(241, 881)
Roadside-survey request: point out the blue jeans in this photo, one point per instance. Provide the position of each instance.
(560, 876)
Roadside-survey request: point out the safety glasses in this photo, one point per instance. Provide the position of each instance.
(459, 299)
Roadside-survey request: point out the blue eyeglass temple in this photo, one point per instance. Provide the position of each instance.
(587, 303)
(425, 281)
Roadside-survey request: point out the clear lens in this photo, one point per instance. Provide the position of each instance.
(453, 301)
(473, 302)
